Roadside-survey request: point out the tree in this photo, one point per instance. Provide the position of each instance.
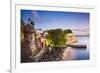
(68, 31)
(56, 37)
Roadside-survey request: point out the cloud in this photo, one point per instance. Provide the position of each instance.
(36, 16)
(84, 31)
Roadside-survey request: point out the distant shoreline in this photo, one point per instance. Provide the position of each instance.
(82, 35)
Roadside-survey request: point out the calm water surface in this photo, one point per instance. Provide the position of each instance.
(82, 53)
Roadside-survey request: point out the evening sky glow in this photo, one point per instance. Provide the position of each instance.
(53, 19)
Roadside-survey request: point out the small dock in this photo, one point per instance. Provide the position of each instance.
(78, 46)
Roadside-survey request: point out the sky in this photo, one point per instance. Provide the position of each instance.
(77, 21)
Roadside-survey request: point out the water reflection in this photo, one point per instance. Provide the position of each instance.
(68, 54)
(75, 54)
(81, 54)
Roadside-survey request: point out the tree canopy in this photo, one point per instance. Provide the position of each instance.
(68, 31)
(56, 37)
